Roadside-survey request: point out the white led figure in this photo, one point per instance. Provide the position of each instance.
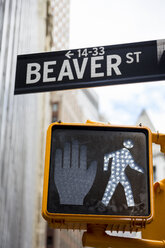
(120, 160)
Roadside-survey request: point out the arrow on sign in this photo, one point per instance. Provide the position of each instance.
(69, 54)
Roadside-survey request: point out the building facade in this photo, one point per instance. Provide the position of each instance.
(23, 121)
(75, 106)
(28, 26)
(67, 106)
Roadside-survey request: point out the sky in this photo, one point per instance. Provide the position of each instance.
(109, 22)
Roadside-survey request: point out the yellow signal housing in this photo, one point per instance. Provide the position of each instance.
(84, 163)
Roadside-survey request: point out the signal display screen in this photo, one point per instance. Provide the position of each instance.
(102, 171)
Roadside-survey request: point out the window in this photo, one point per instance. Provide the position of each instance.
(50, 237)
(154, 172)
(55, 107)
(55, 111)
(49, 240)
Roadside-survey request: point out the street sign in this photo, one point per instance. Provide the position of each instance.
(98, 174)
(91, 67)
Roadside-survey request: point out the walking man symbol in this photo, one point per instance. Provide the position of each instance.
(120, 160)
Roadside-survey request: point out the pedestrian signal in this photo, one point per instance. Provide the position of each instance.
(100, 174)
